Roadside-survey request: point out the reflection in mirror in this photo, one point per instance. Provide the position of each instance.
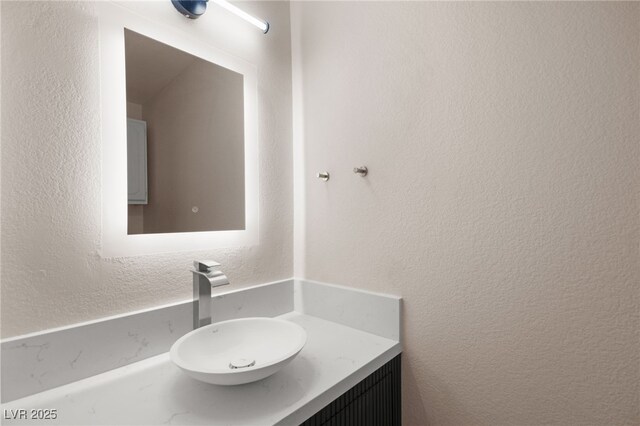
(185, 141)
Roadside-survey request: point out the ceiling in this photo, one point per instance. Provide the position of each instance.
(151, 65)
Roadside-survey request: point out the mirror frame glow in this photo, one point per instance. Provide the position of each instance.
(116, 242)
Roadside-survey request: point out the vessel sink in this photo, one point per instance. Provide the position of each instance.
(238, 351)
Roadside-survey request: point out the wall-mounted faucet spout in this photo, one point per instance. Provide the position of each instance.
(206, 275)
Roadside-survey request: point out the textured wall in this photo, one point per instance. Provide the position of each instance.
(52, 274)
(502, 200)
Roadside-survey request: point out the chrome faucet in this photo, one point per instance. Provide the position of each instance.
(206, 275)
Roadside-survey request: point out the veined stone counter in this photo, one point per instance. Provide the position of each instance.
(338, 354)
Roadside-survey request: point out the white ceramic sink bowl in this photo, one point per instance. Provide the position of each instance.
(238, 351)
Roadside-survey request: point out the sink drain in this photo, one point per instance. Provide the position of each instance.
(241, 363)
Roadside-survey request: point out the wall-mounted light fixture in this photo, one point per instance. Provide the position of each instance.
(193, 9)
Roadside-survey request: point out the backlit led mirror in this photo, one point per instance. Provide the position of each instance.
(185, 141)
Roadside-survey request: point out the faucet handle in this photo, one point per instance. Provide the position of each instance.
(204, 265)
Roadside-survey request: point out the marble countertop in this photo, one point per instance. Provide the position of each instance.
(155, 391)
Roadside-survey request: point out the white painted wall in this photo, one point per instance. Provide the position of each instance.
(52, 274)
(502, 201)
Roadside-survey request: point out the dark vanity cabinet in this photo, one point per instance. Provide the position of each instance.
(375, 401)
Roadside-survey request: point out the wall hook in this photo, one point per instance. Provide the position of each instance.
(323, 175)
(362, 171)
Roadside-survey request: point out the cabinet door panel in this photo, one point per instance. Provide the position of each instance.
(137, 161)
(375, 401)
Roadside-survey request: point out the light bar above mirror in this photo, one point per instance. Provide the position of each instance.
(193, 9)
